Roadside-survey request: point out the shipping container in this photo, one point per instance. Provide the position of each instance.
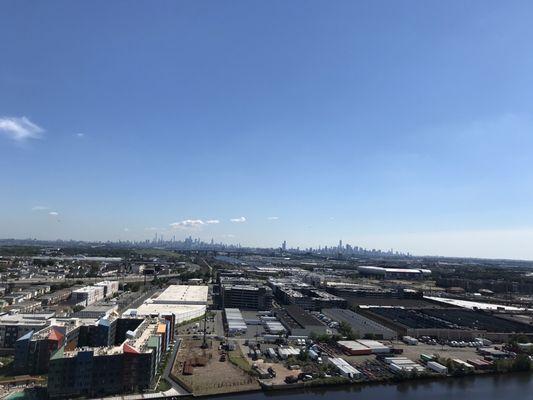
(435, 366)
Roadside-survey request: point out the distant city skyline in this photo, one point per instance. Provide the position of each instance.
(383, 125)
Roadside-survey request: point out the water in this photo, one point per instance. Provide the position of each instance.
(494, 387)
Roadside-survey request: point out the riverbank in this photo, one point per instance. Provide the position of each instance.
(332, 386)
(489, 386)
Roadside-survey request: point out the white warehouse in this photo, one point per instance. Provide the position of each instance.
(184, 301)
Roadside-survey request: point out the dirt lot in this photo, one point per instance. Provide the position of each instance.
(215, 376)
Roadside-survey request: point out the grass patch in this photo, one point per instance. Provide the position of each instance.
(7, 369)
(163, 385)
(236, 358)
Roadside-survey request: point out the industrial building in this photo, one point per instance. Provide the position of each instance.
(183, 294)
(304, 295)
(400, 365)
(299, 322)
(234, 320)
(473, 305)
(363, 347)
(359, 323)
(394, 273)
(178, 303)
(449, 323)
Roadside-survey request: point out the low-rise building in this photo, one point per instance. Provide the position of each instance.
(88, 295)
(55, 297)
(110, 287)
(13, 326)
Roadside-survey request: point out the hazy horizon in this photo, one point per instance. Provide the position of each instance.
(404, 125)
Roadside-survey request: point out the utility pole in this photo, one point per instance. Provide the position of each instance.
(204, 344)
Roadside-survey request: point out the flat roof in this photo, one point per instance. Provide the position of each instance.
(183, 294)
(87, 289)
(177, 309)
(474, 304)
(295, 316)
(352, 345)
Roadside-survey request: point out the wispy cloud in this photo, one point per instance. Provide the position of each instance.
(212, 221)
(20, 129)
(238, 220)
(273, 218)
(80, 135)
(53, 213)
(40, 208)
(126, 229)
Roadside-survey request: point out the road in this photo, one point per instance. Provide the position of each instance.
(128, 278)
(210, 269)
(137, 301)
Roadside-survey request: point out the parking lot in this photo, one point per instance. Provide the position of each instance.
(413, 352)
(196, 328)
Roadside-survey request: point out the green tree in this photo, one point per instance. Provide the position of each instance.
(521, 363)
(346, 330)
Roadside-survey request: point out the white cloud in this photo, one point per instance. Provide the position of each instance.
(273, 218)
(193, 223)
(40, 208)
(126, 229)
(53, 213)
(188, 224)
(20, 129)
(238, 220)
(152, 228)
(80, 135)
(228, 236)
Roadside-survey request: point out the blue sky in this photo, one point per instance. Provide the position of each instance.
(382, 123)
